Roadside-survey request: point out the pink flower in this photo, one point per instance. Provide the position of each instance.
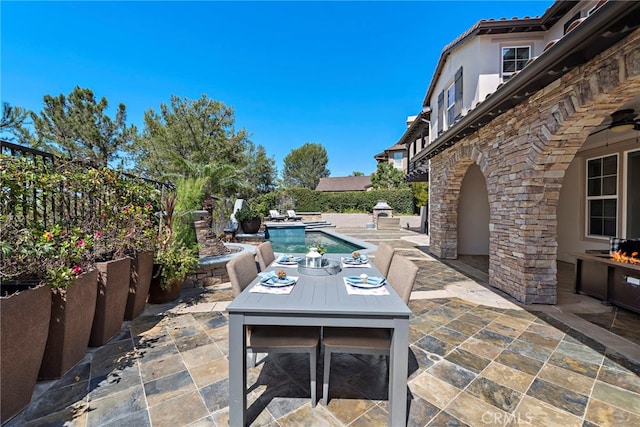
(148, 205)
(97, 234)
(81, 243)
(77, 270)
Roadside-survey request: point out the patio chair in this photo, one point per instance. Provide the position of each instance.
(274, 215)
(402, 276)
(265, 255)
(291, 215)
(383, 258)
(273, 339)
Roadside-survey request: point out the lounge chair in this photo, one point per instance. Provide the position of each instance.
(274, 215)
(291, 215)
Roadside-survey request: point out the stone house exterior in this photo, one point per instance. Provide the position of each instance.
(525, 161)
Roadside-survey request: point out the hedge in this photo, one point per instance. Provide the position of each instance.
(344, 201)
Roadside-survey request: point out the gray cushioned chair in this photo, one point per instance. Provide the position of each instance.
(401, 277)
(274, 339)
(265, 255)
(383, 258)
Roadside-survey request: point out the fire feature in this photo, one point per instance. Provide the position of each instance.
(624, 258)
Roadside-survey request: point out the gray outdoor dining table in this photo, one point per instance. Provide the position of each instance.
(319, 301)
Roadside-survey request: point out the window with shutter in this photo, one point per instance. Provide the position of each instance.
(458, 100)
(441, 112)
(451, 102)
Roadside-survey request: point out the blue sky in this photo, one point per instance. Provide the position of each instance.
(343, 74)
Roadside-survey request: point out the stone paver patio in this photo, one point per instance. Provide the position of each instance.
(476, 358)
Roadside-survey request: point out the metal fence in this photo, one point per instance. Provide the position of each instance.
(31, 204)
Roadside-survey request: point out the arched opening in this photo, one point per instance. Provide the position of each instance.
(473, 219)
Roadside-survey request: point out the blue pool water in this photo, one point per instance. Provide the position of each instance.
(298, 241)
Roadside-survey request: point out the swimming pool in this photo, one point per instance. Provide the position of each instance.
(298, 241)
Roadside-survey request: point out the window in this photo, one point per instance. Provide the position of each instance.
(451, 102)
(514, 59)
(602, 196)
(633, 195)
(397, 160)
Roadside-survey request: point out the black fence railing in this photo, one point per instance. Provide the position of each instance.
(30, 203)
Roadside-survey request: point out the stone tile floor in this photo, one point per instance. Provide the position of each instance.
(476, 358)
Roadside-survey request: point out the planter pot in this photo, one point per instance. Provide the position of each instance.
(113, 288)
(141, 272)
(72, 312)
(157, 295)
(251, 226)
(23, 332)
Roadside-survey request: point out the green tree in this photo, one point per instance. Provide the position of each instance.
(387, 176)
(420, 193)
(200, 132)
(78, 126)
(304, 166)
(11, 124)
(357, 173)
(260, 172)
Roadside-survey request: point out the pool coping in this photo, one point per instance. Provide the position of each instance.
(367, 247)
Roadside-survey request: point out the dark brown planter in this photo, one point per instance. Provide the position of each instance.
(23, 332)
(72, 312)
(113, 288)
(157, 295)
(141, 271)
(250, 226)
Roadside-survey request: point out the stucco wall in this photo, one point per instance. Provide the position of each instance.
(473, 230)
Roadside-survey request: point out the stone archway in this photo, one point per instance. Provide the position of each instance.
(473, 214)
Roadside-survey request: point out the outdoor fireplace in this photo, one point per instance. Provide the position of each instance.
(613, 278)
(381, 209)
(383, 217)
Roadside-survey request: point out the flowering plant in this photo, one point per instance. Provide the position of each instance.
(136, 231)
(55, 256)
(321, 249)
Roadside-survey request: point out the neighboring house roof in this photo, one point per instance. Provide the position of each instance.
(602, 29)
(344, 183)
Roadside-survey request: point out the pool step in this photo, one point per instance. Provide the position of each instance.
(311, 225)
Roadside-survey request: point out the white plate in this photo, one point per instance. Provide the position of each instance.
(352, 281)
(351, 261)
(292, 261)
(274, 282)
